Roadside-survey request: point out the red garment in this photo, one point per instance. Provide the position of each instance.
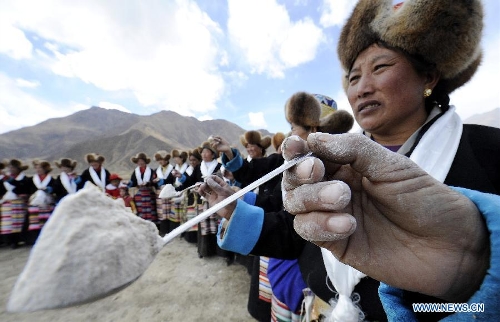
(115, 193)
(142, 169)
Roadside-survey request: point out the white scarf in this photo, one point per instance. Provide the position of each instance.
(147, 175)
(100, 182)
(163, 174)
(189, 170)
(434, 153)
(10, 195)
(41, 197)
(181, 169)
(207, 168)
(68, 184)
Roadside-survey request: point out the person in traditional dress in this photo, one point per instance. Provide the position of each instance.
(41, 202)
(192, 200)
(96, 173)
(142, 178)
(163, 176)
(207, 229)
(127, 198)
(2, 176)
(177, 214)
(14, 207)
(112, 189)
(65, 183)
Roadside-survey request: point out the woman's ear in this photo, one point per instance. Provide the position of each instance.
(432, 78)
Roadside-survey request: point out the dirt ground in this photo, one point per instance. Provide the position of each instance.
(178, 286)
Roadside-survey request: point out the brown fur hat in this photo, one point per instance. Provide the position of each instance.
(196, 154)
(65, 162)
(162, 155)
(94, 157)
(316, 110)
(17, 164)
(2, 165)
(446, 33)
(206, 145)
(254, 137)
(179, 154)
(140, 155)
(278, 138)
(44, 164)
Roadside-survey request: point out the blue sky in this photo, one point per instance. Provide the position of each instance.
(237, 60)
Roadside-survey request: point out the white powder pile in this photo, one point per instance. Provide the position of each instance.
(91, 246)
(168, 192)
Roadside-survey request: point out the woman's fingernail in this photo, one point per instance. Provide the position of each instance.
(304, 169)
(340, 224)
(332, 193)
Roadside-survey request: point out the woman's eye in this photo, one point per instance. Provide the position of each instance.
(353, 78)
(377, 67)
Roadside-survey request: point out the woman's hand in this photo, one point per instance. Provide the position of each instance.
(380, 213)
(215, 189)
(221, 145)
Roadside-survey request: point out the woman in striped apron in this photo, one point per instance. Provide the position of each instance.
(65, 183)
(163, 177)
(142, 178)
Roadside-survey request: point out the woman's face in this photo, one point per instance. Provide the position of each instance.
(96, 165)
(178, 160)
(207, 155)
(254, 151)
(386, 93)
(300, 131)
(163, 162)
(141, 163)
(193, 161)
(39, 170)
(14, 171)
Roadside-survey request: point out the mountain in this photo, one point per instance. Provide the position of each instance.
(491, 118)
(114, 134)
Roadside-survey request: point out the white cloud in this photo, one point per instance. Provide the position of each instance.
(257, 120)
(113, 106)
(19, 108)
(335, 12)
(166, 53)
(26, 83)
(273, 43)
(205, 117)
(13, 41)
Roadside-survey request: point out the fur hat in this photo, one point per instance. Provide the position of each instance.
(2, 165)
(316, 110)
(179, 154)
(68, 163)
(114, 176)
(162, 155)
(196, 154)
(17, 164)
(446, 33)
(278, 138)
(206, 145)
(254, 137)
(140, 155)
(94, 157)
(44, 164)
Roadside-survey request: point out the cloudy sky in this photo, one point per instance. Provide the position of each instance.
(237, 59)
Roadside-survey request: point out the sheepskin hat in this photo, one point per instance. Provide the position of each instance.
(94, 157)
(206, 145)
(162, 155)
(254, 137)
(278, 138)
(65, 162)
(17, 164)
(44, 164)
(316, 110)
(2, 165)
(195, 153)
(140, 155)
(445, 33)
(179, 154)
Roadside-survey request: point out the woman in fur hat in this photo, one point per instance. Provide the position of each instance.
(401, 64)
(177, 215)
(2, 176)
(65, 183)
(142, 178)
(255, 144)
(207, 229)
(163, 176)
(14, 209)
(306, 113)
(41, 202)
(95, 173)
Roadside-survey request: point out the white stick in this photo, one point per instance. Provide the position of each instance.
(204, 215)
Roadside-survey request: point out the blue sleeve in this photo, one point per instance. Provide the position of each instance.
(160, 183)
(489, 291)
(78, 180)
(49, 189)
(234, 164)
(250, 198)
(243, 229)
(183, 178)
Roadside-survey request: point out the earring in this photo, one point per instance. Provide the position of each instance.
(427, 92)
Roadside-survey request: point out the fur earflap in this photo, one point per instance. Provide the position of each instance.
(65, 162)
(446, 33)
(278, 138)
(140, 155)
(17, 164)
(206, 145)
(337, 122)
(94, 157)
(44, 164)
(162, 155)
(303, 109)
(2, 165)
(254, 137)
